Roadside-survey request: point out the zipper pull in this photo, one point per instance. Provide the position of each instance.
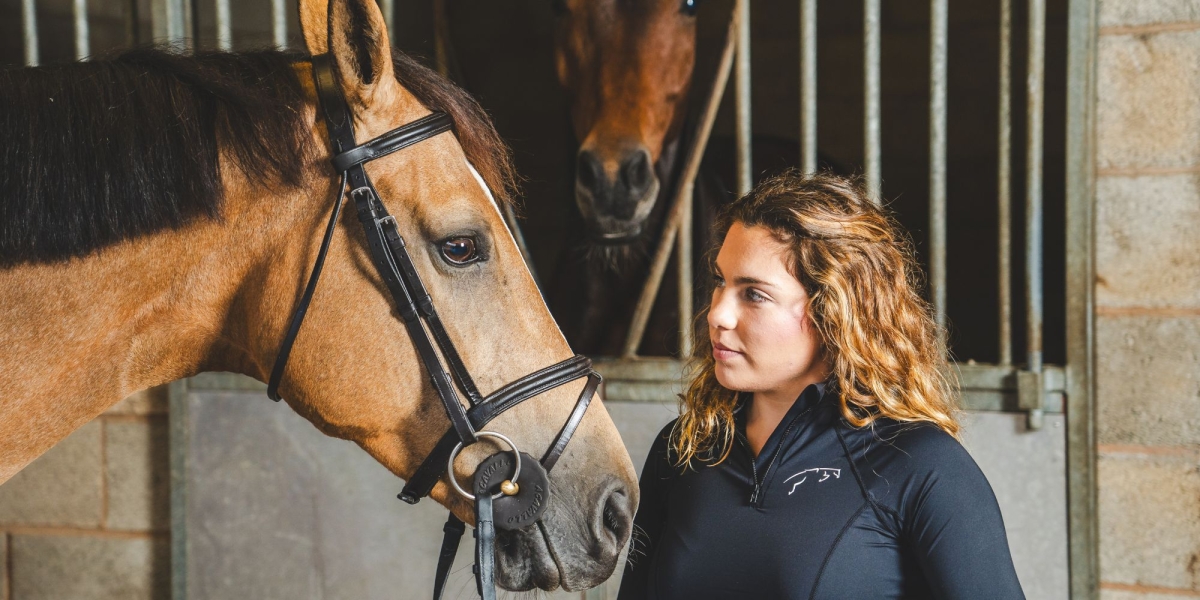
(754, 495)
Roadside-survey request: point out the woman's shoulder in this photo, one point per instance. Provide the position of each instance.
(902, 462)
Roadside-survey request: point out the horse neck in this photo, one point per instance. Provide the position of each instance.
(82, 334)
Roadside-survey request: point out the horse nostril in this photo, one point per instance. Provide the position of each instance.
(636, 173)
(587, 170)
(615, 516)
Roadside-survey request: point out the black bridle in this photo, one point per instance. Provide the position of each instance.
(520, 504)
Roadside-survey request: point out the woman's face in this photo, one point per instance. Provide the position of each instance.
(762, 337)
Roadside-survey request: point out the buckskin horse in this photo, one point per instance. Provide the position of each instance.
(159, 217)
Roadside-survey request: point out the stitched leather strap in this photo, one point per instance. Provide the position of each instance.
(568, 429)
(485, 548)
(454, 529)
(434, 466)
(396, 139)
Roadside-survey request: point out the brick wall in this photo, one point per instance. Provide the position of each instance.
(1148, 298)
(90, 519)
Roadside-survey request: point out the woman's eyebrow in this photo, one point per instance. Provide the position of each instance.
(744, 280)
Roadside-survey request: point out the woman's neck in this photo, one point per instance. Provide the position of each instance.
(768, 407)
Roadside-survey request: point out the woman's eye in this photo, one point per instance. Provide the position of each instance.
(689, 7)
(460, 251)
(753, 295)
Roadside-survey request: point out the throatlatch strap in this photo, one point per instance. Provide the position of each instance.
(485, 548)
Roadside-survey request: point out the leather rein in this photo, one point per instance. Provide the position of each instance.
(507, 501)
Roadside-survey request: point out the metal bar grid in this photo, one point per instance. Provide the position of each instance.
(808, 85)
(872, 168)
(1004, 184)
(1035, 105)
(745, 175)
(938, 40)
(224, 25)
(80, 15)
(30, 32)
(279, 33)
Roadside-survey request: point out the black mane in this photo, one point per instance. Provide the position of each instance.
(105, 150)
(97, 152)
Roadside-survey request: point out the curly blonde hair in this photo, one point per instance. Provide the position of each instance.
(885, 350)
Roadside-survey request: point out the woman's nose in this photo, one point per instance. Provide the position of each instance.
(721, 314)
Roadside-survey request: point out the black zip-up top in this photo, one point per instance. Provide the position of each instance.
(826, 510)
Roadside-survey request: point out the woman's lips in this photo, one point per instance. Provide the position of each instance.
(723, 353)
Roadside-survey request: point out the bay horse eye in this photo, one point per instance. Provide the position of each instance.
(460, 251)
(689, 7)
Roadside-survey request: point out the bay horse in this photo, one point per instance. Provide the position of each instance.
(159, 214)
(627, 69)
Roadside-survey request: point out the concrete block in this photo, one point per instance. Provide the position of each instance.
(1148, 380)
(1148, 112)
(62, 487)
(1146, 253)
(1150, 520)
(90, 568)
(152, 401)
(1126, 13)
(638, 423)
(138, 461)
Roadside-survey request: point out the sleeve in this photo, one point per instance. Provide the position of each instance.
(649, 520)
(956, 529)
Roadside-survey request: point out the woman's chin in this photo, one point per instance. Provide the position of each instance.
(731, 377)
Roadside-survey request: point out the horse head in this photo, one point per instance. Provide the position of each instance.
(627, 67)
(355, 372)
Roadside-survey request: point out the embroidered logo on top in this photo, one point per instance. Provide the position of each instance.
(822, 473)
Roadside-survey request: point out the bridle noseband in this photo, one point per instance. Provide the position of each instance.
(522, 498)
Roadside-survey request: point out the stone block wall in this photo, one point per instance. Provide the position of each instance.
(1148, 298)
(90, 519)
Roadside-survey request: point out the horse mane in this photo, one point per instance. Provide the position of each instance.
(111, 149)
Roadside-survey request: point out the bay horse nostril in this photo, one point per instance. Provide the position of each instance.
(588, 170)
(636, 173)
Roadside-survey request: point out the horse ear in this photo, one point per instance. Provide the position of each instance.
(360, 44)
(314, 24)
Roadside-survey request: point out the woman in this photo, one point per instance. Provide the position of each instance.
(816, 455)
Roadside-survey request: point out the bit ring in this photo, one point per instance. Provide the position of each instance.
(458, 448)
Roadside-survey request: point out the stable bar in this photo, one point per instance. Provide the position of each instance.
(82, 43)
(745, 177)
(938, 36)
(808, 85)
(171, 21)
(389, 17)
(29, 30)
(683, 257)
(1083, 537)
(224, 26)
(1004, 183)
(279, 23)
(1035, 101)
(871, 101)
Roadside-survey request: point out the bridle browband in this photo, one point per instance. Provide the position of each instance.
(415, 309)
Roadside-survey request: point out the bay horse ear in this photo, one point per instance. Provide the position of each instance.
(360, 44)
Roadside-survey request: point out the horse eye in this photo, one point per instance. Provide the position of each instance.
(689, 7)
(460, 251)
